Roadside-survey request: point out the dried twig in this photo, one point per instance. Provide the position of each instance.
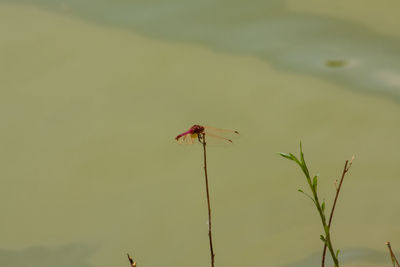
(392, 256)
(346, 168)
(133, 263)
(203, 142)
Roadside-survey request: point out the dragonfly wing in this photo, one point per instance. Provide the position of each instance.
(187, 139)
(190, 139)
(217, 137)
(221, 134)
(218, 130)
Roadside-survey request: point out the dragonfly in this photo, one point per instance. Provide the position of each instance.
(198, 131)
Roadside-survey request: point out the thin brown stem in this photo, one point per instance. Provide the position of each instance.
(203, 141)
(346, 168)
(392, 256)
(133, 263)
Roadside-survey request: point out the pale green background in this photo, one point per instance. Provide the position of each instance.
(93, 93)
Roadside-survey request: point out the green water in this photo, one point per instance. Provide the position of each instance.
(93, 93)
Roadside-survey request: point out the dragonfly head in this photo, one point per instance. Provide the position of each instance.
(197, 129)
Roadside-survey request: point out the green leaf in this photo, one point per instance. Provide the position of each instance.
(337, 253)
(286, 156)
(301, 191)
(322, 238)
(315, 182)
(323, 206)
(295, 159)
(303, 162)
(301, 154)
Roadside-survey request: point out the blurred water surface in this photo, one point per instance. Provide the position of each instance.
(93, 93)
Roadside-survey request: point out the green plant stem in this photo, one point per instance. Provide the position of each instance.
(203, 141)
(328, 241)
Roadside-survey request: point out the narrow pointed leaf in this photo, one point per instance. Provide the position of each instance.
(315, 182)
(295, 159)
(286, 156)
(337, 253)
(301, 191)
(301, 154)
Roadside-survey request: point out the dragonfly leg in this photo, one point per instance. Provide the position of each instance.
(201, 138)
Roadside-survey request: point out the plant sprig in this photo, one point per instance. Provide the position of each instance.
(313, 185)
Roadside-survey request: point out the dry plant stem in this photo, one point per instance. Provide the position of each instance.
(345, 170)
(203, 141)
(133, 263)
(392, 256)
